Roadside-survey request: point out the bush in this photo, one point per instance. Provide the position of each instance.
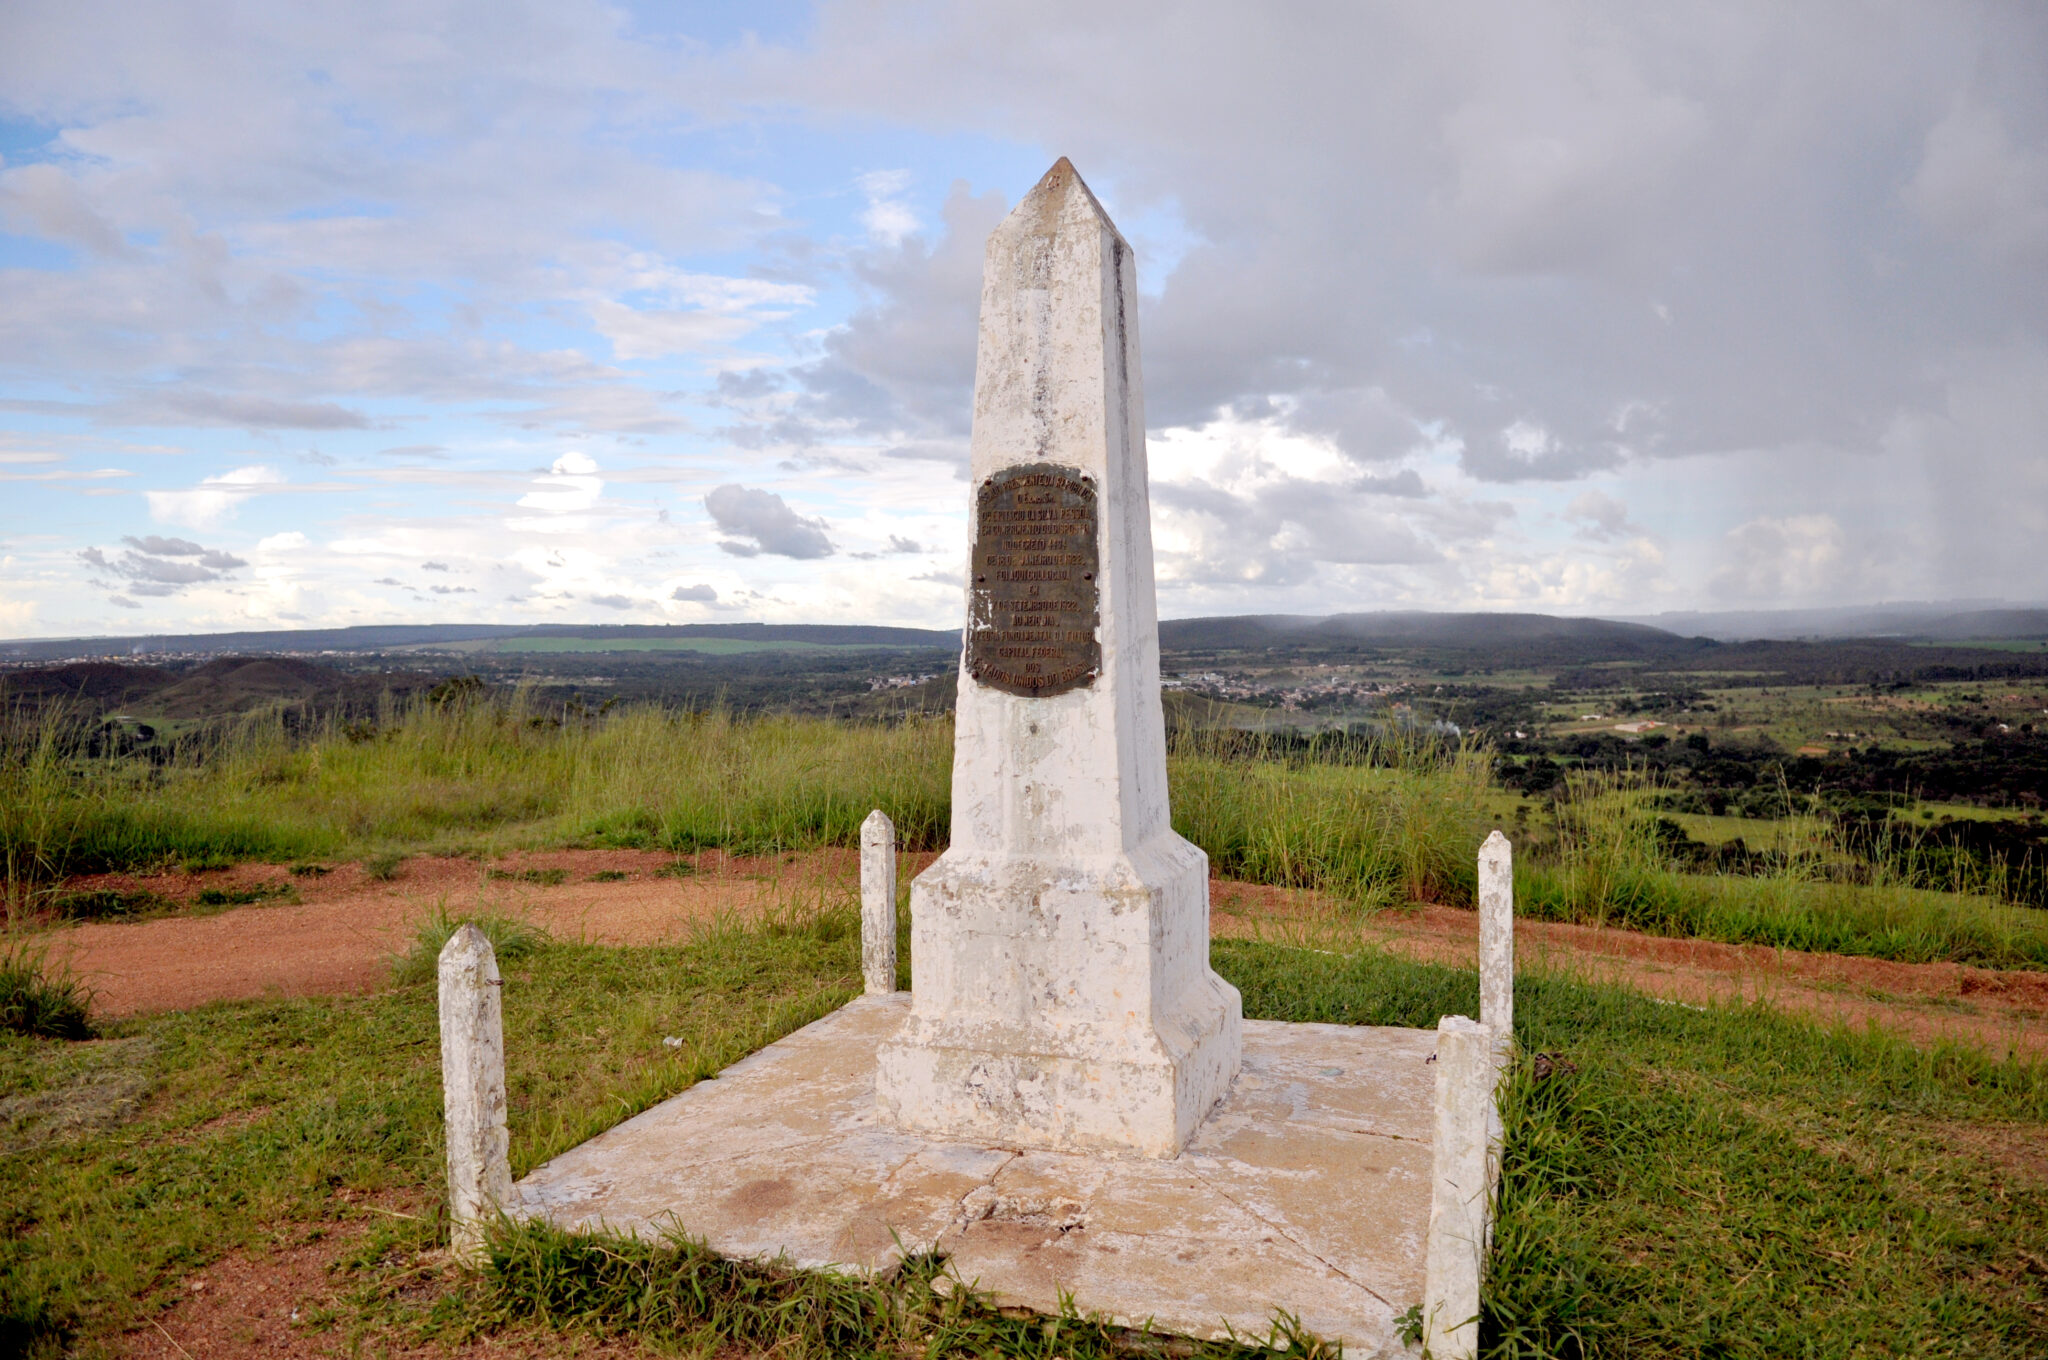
(38, 1002)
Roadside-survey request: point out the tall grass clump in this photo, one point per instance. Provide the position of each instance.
(65, 809)
(42, 802)
(1373, 820)
(1612, 867)
(37, 1001)
(681, 781)
(468, 771)
(511, 939)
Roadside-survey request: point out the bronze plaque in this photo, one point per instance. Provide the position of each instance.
(1033, 610)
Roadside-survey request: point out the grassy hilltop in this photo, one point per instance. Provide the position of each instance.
(1680, 1181)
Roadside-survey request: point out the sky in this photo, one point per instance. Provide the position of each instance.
(320, 315)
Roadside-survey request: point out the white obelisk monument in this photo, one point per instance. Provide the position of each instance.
(1062, 995)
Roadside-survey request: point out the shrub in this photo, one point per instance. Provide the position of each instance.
(36, 1001)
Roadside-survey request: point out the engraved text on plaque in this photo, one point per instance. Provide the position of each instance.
(1032, 612)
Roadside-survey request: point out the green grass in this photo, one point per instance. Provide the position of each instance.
(476, 776)
(108, 904)
(1608, 868)
(244, 897)
(255, 1125)
(1376, 824)
(1728, 1182)
(1720, 1182)
(677, 1293)
(542, 878)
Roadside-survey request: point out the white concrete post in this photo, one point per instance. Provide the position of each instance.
(878, 903)
(1454, 1253)
(473, 1090)
(1496, 989)
(1497, 943)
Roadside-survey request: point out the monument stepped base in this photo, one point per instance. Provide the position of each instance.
(1307, 1190)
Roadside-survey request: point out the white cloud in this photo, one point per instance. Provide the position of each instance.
(214, 499)
(888, 218)
(570, 485)
(655, 334)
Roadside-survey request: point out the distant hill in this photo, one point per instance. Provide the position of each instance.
(229, 684)
(1510, 638)
(1951, 621)
(472, 637)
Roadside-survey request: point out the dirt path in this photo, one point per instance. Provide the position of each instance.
(344, 928)
(2000, 1012)
(344, 931)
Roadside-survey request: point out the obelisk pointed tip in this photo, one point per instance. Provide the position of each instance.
(1052, 195)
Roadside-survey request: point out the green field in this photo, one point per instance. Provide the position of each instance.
(1996, 644)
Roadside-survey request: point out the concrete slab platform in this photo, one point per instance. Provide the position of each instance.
(1307, 1190)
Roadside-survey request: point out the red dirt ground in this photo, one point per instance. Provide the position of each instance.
(261, 1306)
(343, 933)
(2001, 1012)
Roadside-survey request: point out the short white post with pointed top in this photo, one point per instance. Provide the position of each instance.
(1497, 943)
(1454, 1250)
(1496, 993)
(473, 1090)
(878, 903)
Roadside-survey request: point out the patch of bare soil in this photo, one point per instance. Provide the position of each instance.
(345, 929)
(343, 933)
(2001, 1012)
(263, 1305)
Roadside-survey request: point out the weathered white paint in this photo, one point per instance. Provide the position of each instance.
(1060, 948)
(1497, 943)
(1496, 989)
(878, 902)
(1454, 1251)
(473, 1089)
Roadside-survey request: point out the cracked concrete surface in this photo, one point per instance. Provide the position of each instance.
(1306, 1190)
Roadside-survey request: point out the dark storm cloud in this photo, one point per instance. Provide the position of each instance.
(767, 520)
